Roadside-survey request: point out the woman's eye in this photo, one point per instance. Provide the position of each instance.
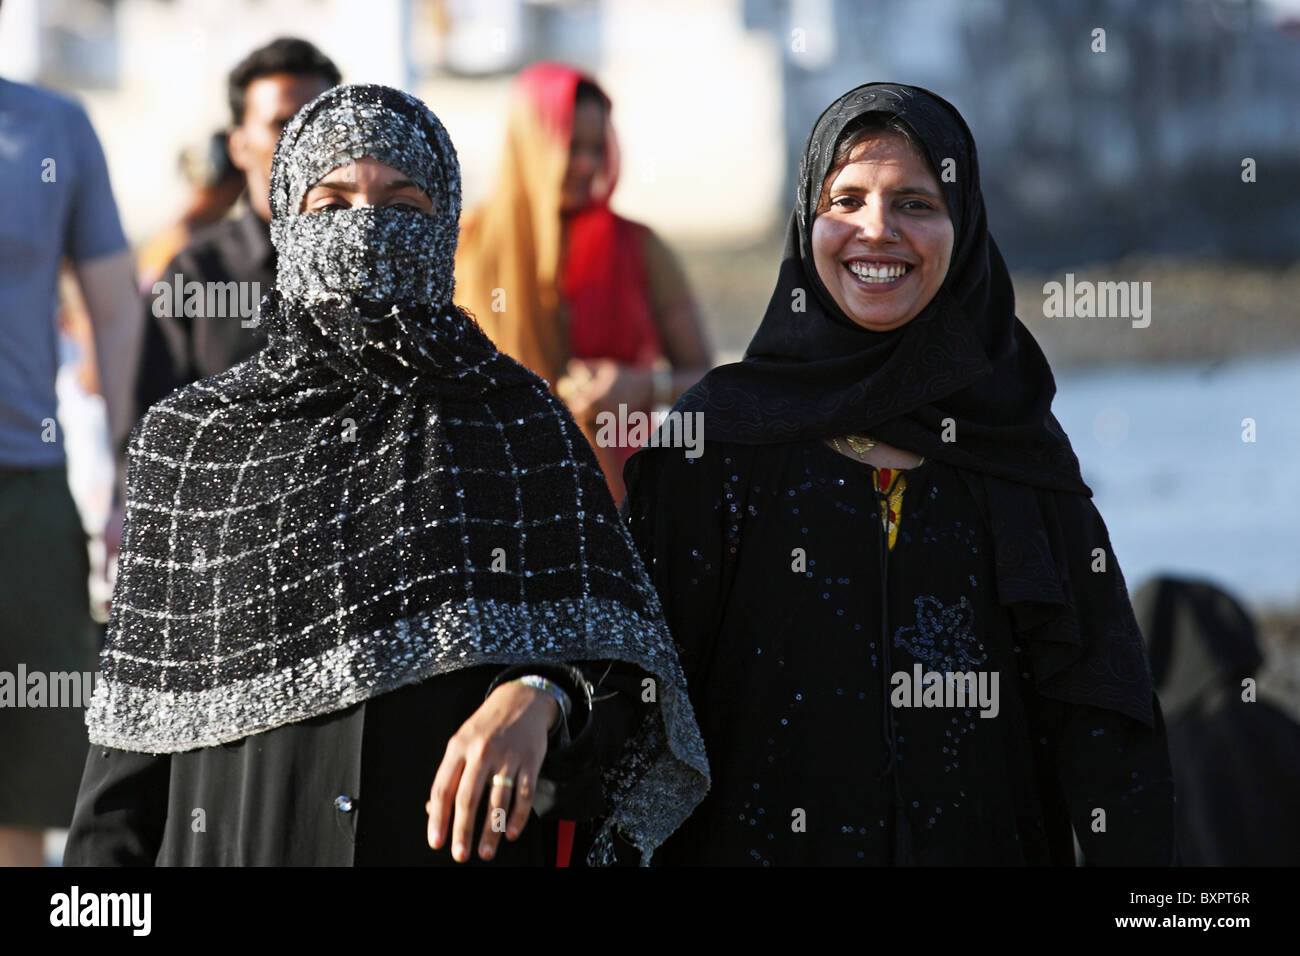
(332, 204)
(846, 202)
(916, 205)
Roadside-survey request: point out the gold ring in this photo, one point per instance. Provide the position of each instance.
(501, 780)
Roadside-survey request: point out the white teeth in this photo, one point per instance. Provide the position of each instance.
(882, 272)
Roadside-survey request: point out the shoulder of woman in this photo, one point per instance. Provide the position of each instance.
(653, 248)
(663, 271)
(176, 414)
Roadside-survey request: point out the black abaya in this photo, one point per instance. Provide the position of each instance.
(343, 789)
(771, 564)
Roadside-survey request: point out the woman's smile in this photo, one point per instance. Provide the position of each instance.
(877, 275)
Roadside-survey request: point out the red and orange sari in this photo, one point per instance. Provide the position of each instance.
(548, 287)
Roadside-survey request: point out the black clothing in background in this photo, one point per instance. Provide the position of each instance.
(787, 674)
(1236, 757)
(344, 789)
(179, 349)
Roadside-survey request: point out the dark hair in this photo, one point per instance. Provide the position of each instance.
(284, 55)
(588, 92)
(865, 127)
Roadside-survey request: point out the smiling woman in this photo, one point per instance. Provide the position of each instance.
(886, 503)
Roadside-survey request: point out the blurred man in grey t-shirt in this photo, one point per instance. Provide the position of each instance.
(56, 205)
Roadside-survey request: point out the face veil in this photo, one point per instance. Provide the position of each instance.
(368, 291)
(319, 524)
(371, 255)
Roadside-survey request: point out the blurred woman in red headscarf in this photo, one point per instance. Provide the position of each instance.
(594, 303)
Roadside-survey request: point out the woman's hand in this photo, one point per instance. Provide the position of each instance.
(590, 387)
(506, 739)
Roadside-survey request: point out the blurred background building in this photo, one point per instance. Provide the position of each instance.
(1086, 154)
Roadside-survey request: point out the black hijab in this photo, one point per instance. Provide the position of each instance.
(810, 372)
(1202, 641)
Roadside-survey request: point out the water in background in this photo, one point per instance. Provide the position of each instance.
(1162, 449)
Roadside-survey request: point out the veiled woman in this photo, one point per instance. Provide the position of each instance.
(885, 513)
(337, 550)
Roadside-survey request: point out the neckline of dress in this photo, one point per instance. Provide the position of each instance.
(915, 469)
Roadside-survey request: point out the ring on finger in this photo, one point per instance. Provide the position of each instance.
(501, 780)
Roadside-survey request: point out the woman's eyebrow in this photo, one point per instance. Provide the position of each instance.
(901, 190)
(350, 186)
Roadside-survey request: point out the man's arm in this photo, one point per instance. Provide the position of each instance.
(108, 288)
(101, 261)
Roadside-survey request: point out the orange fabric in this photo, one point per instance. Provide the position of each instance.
(510, 250)
(508, 257)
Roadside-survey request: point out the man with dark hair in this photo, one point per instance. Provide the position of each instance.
(194, 331)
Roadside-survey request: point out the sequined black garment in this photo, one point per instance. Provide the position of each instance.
(376, 498)
(774, 571)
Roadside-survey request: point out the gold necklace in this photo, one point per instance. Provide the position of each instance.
(861, 444)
